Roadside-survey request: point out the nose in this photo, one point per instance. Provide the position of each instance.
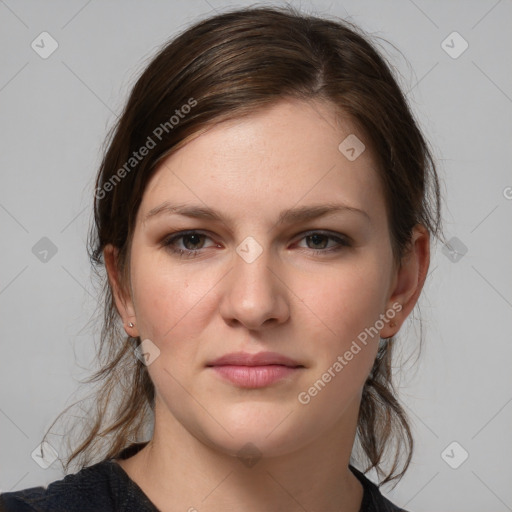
(254, 294)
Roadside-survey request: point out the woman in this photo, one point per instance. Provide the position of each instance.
(263, 212)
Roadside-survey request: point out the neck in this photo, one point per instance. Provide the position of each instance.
(179, 472)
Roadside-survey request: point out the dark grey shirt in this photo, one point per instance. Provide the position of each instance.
(106, 487)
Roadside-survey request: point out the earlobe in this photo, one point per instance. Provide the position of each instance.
(410, 278)
(122, 298)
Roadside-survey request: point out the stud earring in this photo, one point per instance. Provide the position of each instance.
(131, 324)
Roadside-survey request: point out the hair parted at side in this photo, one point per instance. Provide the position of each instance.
(221, 68)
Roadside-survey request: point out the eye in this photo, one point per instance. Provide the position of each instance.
(318, 241)
(191, 241)
(189, 244)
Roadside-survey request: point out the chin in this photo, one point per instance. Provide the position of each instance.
(260, 430)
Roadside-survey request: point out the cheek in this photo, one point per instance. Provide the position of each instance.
(170, 299)
(347, 300)
(348, 305)
(171, 309)
(345, 308)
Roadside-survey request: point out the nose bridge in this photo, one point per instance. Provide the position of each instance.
(251, 266)
(252, 278)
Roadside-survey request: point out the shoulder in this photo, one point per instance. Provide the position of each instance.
(79, 491)
(373, 500)
(101, 487)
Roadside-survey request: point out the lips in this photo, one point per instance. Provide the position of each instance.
(259, 370)
(259, 359)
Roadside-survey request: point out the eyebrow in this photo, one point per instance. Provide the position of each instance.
(290, 216)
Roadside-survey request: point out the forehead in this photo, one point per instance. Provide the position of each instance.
(293, 152)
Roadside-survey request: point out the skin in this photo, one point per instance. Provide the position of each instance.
(307, 305)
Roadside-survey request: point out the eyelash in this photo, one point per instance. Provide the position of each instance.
(191, 253)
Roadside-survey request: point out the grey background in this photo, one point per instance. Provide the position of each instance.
(54, 116)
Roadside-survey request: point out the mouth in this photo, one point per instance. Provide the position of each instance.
(255, 370)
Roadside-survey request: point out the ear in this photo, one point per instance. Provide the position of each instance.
(122, 297)
(409, 279)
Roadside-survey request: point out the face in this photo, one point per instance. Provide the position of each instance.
(258, 265)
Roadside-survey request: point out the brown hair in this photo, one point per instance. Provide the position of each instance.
(225, 67)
